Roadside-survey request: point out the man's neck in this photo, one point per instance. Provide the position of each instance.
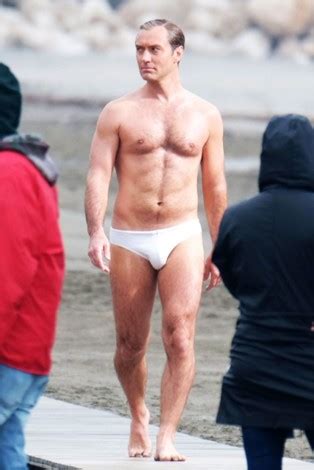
(166, 89)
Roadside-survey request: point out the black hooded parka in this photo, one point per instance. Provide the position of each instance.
(265, 253)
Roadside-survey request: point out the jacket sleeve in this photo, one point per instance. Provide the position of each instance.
(224, 254)
(20, 236)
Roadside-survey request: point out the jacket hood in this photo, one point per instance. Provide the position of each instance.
(35, 150)
(287, 157)
(10, 102)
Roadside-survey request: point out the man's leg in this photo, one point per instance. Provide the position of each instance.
(13, 386)
(264, 447)
(133, 284)
(12, 445)
(18, 395)
(180, 286)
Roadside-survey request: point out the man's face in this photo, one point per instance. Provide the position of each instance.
(154, 54)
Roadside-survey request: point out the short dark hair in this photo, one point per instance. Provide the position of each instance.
(175, 34)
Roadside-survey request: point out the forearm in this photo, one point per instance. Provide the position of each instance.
(215, 201)
(96, 199)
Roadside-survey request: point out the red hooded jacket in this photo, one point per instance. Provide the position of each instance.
(31, 265)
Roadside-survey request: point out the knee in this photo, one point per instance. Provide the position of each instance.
(7, 408)
(129, 350)
(178, 342)
(3, 417)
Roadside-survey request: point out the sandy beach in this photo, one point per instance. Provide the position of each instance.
(83, 357)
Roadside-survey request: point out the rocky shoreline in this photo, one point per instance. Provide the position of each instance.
(251, 28)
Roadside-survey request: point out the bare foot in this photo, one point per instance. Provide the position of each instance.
(139, 442)
(165, 451)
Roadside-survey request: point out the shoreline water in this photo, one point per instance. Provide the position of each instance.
(238, 86)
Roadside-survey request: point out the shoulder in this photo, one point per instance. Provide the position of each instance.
(214, 118)
(115, 111)
(209, 109)
(111, 110)
(210, 113)
(118, 104)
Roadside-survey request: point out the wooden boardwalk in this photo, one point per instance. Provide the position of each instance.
(65, 436)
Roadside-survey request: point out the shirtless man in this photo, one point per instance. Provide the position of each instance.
(156, 138)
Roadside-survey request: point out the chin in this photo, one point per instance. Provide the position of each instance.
(146, 75)
(149, 77)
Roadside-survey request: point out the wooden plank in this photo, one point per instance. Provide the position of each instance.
(65, 436)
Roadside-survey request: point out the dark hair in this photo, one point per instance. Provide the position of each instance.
(175, 34)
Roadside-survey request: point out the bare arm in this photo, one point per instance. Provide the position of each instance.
(103, 152)
(214, 186)
(213, 176)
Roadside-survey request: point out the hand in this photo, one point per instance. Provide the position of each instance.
(99, 247)
(212, 272)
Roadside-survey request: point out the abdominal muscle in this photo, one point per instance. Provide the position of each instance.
(155, 192)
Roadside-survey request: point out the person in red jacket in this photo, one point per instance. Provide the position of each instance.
(31, 272)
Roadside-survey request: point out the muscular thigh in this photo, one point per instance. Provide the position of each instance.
(180, 282)
(133, 286)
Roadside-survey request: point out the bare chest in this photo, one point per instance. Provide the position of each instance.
(148, 130)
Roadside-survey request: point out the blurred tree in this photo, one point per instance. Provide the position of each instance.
(115, 3)
(16, 3)
(10, 3)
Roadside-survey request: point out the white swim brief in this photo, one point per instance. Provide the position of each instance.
(155, 245)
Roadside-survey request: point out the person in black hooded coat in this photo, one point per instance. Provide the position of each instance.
(265, 253)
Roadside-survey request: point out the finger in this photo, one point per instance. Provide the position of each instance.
(107, 251)
(215, 284)
(97, 259)
(216, 280)
(106, 264)
(215, 275)
(206, 269)
(215, 270)
(98, 264)
(106, 269)
(211, 283)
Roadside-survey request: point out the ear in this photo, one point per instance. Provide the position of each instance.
(178, 53)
